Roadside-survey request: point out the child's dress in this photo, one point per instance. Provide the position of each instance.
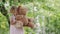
(13, 29)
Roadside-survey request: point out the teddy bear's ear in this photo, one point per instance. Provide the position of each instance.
(18, 8)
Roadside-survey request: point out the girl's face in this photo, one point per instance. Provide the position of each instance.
(14, 12)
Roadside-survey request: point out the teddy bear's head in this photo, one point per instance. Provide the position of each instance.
(22, 10)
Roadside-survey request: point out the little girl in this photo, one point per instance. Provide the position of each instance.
(13, 29)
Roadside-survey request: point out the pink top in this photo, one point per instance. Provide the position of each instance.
(13, 29)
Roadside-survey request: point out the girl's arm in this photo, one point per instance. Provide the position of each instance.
(12, 20)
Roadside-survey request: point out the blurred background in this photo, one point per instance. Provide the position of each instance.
(45, 12)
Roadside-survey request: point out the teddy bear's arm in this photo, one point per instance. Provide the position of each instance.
(30, 23)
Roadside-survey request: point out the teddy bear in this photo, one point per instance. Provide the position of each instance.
(26, 20)
(20, 17)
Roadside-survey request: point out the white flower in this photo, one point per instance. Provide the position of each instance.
(38, 24)
(6, 4)
(35, 8)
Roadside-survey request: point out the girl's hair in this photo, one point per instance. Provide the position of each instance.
(13, 8)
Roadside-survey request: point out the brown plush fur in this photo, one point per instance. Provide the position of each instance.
(22, 18)
(22, 10)
(20, 14)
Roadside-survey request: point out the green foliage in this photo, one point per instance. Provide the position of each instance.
(4, 28)
(50, 9)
